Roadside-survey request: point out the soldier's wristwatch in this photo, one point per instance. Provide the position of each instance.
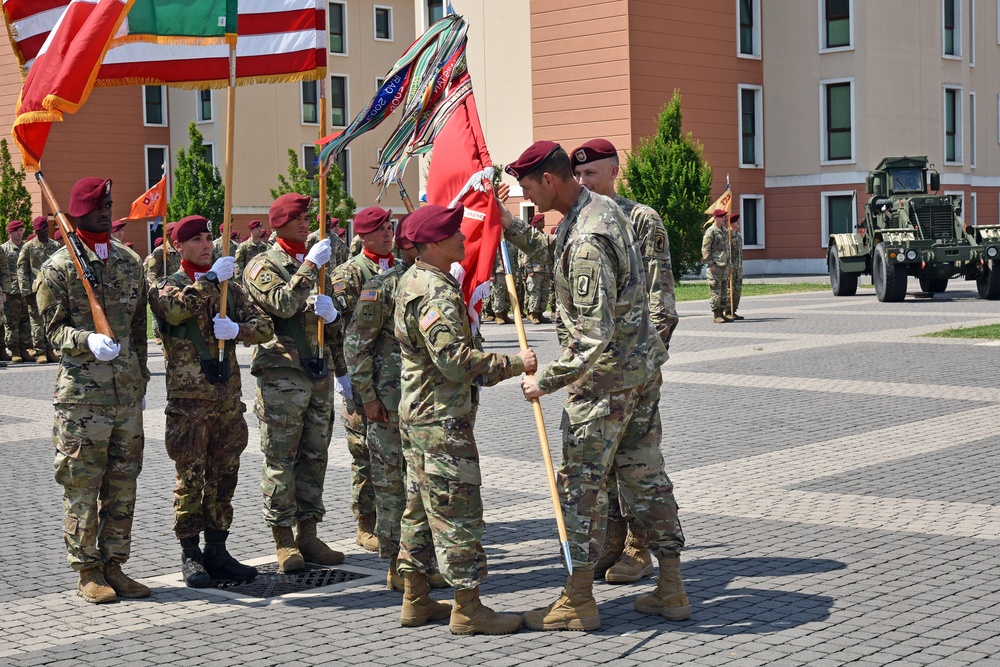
(212, 277)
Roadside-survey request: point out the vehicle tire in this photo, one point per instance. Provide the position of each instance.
(843, 284)
(988, 284)
(933, 285)
(889, 278)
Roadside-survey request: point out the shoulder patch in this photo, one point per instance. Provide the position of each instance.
(429, 319)
(369, 295)
(257, 267)
(339, 286)
(659, 240)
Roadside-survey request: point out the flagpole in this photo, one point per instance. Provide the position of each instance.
(404, 195)
(321, 175)
(164, 244)
(228, 201)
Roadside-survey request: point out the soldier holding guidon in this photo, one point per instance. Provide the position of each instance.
(716, 254)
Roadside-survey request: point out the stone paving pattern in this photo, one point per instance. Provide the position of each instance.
(836, 476)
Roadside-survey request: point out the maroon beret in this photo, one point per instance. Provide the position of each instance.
(538, 217)
(593, 150)
(402, 242)
(735, 218)
(118, 225)
(14, 225)
(169, 229)
(190, 226)
(531, 158)
(40, 222)
(158, 242)
(236, 236)
(58, 235)
(719, 212)
(433, 223)
(287, 207)
(369, 219)
(30, 236)
(254, 224)
(87, 194)
(131, 246)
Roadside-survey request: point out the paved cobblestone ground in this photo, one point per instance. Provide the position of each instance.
(836, 476)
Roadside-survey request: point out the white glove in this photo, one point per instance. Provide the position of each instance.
(324, 308)
(320, 253)
(224, 267)
(225, 328)
(342, 385)
(103, 347)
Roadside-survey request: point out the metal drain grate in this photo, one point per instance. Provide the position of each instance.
(272, 583)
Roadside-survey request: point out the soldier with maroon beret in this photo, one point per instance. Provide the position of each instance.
(33, 254)
(250, 248)
(18, 333)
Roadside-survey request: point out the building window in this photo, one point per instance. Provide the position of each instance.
(527, 211)
(838, 121)
(435, 11)
(953, 125)
(338, 101)
(748, 27)
(751, 127)
(338, 27)
(205, 106)
(752, 221)
(838, 214)
(837, 25)
(951, 27)
(972, 33)
(156, 164)
(972, 130)
(379, 82)
(309, 160)
(154, 107)
(972, 217)
(209, 152)
(344, 164)
(383, 23)
(310, 103)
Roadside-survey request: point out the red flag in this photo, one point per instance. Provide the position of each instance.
(63, 73)
(456, 171)
(151, 204)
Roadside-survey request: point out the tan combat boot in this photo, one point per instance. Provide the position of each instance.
(418, 607)
(437, 580)
(40, 358)
(635, 563)
(314, 550)
(366, 538)
(93, 587)
(502, 318)
(668, 599)
(472, 617)
(394, 579)
(719, 317)
(534, 319)
(17, 356)
(576, 608)
(124, 585)
(614, 544)
(289, 557)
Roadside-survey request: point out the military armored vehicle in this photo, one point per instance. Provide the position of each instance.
(909, 230)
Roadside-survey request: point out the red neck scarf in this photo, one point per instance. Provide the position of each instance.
(296, 250)
(99, 242)
(384, 261)
(193, 270)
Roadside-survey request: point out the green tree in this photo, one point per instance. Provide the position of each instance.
(15, 202)
(667, 173)
(198, 187)
(339, 204)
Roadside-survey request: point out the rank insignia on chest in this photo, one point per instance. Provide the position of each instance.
(369, 295)
(429, 319)
(339, 286)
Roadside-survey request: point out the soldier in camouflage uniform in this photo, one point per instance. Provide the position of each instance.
(373, 226)
(341, 253)
(610, 365)
(294, 390)
(736, 253)
(5, 291)
(441, 369)
(715, 253)
(153, 264)
(625, 558)
(98, 398)
(249, 249)
(218, 243)
(33, 255)
(18, 334)
(205, 429)
(499, 297)
(538, 280)
(355, 246)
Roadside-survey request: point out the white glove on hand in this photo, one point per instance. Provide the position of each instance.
(224, 268)
(324, 308)
(103, 347)
(342, 385)
(225, 328)
(320, 253)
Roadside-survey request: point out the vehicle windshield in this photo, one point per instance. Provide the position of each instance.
(907, 180)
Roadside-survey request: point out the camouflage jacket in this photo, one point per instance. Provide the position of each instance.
(347, 279)
(217, 248)
(178, 299)
(440, 360)
(7, 286)
(652, 238)
(370, 346)
(9, 258)
(244, 253)
(153, 265)
(355, 246)
(288, 298)
(33, 255)
(65, 311)
(515, 261)
(604, 328)
(531, 264)
(715, 247)
(341, 253)
(736, 252)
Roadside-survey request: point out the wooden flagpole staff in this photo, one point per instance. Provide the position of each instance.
(321, 176)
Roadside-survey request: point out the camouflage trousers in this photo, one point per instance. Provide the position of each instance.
(385, 445)
(718, 287)
(296, 414)
(98, 459)
(204, 440)
(536, 289)
(39, 344)
(18, 333)
(444, 510)
(499, 298)
(356, 430)
(622, 431)
(737, 290)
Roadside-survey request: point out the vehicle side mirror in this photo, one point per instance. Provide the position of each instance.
(876, 188)
(935, 181)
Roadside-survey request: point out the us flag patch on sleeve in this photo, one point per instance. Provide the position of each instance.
(369, 295)
(429, 319)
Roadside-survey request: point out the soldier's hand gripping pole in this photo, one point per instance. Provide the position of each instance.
(536, 406)
(79, 258)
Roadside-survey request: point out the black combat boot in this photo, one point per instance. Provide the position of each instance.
(194, 572)
(219, 563)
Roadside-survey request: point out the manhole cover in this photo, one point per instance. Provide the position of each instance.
(272, 583)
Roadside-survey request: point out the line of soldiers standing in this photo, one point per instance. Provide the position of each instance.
(532, 280)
